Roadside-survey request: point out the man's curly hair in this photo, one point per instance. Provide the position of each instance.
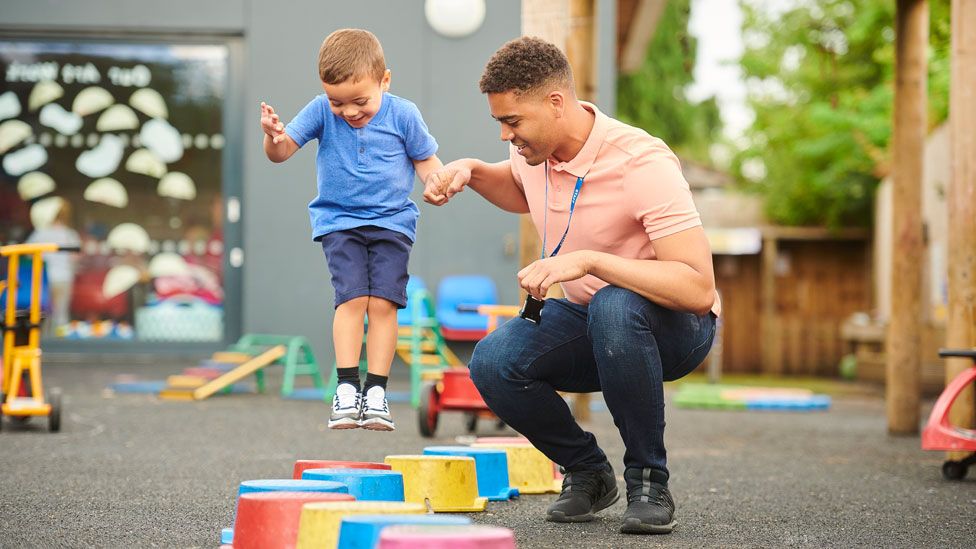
(525, 65)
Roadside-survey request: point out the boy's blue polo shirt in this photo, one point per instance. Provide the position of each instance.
(365, 175)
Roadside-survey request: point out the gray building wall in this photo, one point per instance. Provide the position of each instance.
(438, 74)
(284, 281)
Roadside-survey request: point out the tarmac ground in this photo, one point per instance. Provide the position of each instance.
(130, 470)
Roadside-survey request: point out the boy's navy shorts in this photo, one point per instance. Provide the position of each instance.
(368, 261)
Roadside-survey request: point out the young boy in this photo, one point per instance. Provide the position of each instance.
(371, 143)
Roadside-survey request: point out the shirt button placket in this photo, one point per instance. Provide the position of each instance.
(361, 144)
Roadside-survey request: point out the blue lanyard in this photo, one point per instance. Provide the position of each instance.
(545, 222)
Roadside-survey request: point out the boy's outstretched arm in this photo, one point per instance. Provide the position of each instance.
(277, 144)
(426, 167)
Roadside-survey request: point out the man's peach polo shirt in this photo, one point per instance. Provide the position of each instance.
(633, 193)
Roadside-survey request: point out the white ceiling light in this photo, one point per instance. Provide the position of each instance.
(455, 18)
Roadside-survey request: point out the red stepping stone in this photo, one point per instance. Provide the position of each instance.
(269, 520)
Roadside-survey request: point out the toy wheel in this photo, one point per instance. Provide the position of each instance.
(428, 411)
(954, 470)
(471, 421)
(54, 418)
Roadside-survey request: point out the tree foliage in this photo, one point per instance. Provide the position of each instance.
(820, 78)
(654, 97)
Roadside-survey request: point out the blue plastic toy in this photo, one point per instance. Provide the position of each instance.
(364, 484)
(363, 531)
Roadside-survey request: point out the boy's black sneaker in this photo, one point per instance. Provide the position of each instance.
(650, 508)
(584, 493)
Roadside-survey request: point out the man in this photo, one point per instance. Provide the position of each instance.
(625, 241)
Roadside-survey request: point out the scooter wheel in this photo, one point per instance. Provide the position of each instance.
(54, 418)
(428, 411)
(954, 470)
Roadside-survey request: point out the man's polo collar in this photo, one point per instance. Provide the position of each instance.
(580, 164)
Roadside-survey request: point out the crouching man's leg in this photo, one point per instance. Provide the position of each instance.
(518, 369)
(637, 346)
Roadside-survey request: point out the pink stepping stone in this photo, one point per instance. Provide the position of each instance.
(447, 537)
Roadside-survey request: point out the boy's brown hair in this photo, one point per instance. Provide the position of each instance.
(526, 64)
(351, 54)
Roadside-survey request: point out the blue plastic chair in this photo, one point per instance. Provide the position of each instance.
(414, 283)
(25, 276)
(464, 290)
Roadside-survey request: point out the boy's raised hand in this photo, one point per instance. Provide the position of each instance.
(271, 125)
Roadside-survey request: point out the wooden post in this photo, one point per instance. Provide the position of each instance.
(903, 359)
(569, 24)
(961, 327)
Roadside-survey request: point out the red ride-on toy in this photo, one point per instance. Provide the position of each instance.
(939, 434)
(455, 391)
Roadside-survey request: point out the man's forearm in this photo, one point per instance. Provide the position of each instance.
(496, 183)
(671, 284)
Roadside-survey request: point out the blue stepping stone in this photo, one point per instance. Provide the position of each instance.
(363, 531)
(364, 484)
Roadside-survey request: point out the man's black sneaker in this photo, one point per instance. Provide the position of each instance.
(584, 493)
(650, 508)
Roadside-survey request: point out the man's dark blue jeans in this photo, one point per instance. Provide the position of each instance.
(622, 344)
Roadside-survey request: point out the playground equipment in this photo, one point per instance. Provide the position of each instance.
(320, 522)
(529, 470)
(491, 465)
(336, 491)
(363, 531)
(939, 434)
(447, 483)
(455, 391)
(363, 484)
(269, 520)
(250, 355)
(475, 536)
(198, 388)
(303, 465)
(22, 390)
(736, 397)
(460, 323)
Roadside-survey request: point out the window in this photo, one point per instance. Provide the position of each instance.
(118, 147)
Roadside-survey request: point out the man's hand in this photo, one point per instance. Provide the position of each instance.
(446, 182)
(271, 125)
(539, 275)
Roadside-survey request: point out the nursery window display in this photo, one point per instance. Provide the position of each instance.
(117, 147)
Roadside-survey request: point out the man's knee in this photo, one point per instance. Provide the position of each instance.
(618, 310)
(492, 360)
(484, 362)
